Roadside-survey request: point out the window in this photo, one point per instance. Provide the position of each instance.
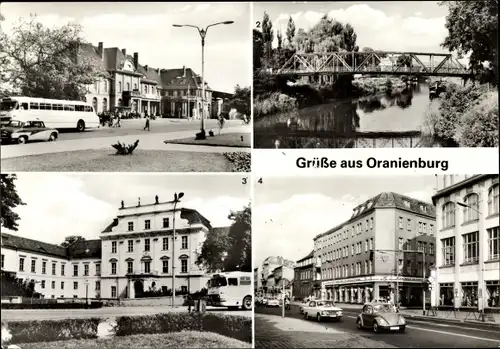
(400, 222)
(471, 211)
(420, 246)
(166, 222)
(130, 226)
(431, 229)
(448, 215)
(184, 266)
(97, 285)
(130, 245)
(184, 242)
(63, 267)
(352, 250)
(420, 227)
(493, 200)
(147, 245)
(147, 267)
(471, 247)
(113, 291)
(147, 224)
(98, 269)
(371, 244)
(53, 285)
(165, 266)
(401, 242)
(408, 224)
(75, 285)
(75, 270)
(119, 86)
(165, 244)
(448, 251)
(366, 245)
(62, 285)
(86, 270)
(21, 264)
(113, 247)
(371, 223)
(130, 267)
(33, 265)
(43, 284)
(53, 268)
(370, 267)
(493, 243)
(113, 268)
(431, 249)
(424, 228)
(105, 86)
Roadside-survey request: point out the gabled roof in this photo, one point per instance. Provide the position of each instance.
(176, 78)
(311, 254)
(150, 74)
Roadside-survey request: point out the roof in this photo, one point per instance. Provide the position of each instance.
(311, 254)
(90, 53)
(459, 185)
(176, 77)
(151, 75)
(78, 250)
(387, 200)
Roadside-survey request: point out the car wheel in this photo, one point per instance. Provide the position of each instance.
(359, 324)
(80, 126)
(52, 137)
(319, 318)
(22, 139)
(247, 303)
(402, 329)
(376, 329)
(306, 316)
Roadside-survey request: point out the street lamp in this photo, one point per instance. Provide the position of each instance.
(480, 303)
(203, 34)
(86, 282)
(177, 199)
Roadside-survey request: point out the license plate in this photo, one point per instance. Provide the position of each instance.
(395, 328)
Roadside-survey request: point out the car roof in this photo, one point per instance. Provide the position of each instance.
(377, 303)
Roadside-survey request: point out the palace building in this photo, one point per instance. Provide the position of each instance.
(380, 252)
(134, 254)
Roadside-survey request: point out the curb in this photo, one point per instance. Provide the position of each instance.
(457, 321)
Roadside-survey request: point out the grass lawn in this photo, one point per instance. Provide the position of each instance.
(224, 140)
(188, 339)
(104, 160)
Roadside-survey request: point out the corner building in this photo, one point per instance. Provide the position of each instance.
(361, 260)
(468, 238)
(303, 277)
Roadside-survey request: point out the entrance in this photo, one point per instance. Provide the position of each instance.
(138, 288)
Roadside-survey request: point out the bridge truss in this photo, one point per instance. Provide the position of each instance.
(374, 63)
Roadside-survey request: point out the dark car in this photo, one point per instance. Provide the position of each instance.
(24, 131)
(381, 317)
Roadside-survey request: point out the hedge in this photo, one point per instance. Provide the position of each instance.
(237, 327)
(70, 305)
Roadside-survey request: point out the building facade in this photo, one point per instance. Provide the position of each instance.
(468, 241)
(267, 279)
(379, 253)
(303, 277)
(283, 280)
(135, 253)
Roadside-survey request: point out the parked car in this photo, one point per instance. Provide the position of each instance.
(381, 317)
(25, 131)
(273, 302)
(322, 310)
(302, 305)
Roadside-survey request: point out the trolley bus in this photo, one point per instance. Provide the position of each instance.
(54, 113)
(230, 289)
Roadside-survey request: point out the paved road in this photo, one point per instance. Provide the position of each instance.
(57, 314)
(418, 334)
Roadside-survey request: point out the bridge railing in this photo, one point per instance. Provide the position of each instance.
(377, 69)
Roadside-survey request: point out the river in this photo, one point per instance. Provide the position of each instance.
(379, 121)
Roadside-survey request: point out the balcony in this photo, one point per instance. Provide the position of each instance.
(138, 94)
(141, 273)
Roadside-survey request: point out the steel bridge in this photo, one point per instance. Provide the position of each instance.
(374, 63)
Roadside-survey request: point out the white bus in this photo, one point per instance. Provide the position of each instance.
(54, 113)
(231, 289)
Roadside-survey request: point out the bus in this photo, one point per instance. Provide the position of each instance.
(231, 289)
(54, 113)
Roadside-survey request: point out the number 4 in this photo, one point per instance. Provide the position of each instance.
(259, 181)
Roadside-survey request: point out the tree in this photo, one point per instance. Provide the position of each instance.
(241, 100)
(258, 49)
(15, 287)
(214, 250)
(267, 38)
(290, 31)
(279, 36)
(473, 28)
(240, 241)
(70, 240)
(10, 200)
(48, 63)
(404, 60)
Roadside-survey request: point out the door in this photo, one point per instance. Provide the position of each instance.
(138, 288)
(367, 316)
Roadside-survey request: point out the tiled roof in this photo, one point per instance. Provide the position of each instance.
(150, 74)
(194, 217)
(85, 249)
(175, 77)
(387, 199)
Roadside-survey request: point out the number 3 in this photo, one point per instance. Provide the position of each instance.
(244, 180)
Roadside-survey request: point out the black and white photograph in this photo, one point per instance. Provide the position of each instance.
(377, 261)
(165, 263)
(115, 87)
(388, 74)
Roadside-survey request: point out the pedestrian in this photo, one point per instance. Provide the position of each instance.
(147, 124)
(118, 118)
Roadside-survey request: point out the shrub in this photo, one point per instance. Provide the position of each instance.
(241, 161)
(276, 102)
(53, 330)
(122, 149)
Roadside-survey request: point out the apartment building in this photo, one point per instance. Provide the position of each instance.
(303, 277)
(468, 241)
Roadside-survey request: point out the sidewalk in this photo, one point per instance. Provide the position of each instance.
(275, 332)
(150, 141)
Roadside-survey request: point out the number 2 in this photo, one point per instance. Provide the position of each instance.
(257, 24)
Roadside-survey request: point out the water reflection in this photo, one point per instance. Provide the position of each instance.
(387, 120)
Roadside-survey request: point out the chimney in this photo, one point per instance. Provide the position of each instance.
(139, 202)
(100, 49)
(124, 51)
(184, 68)
(136, 59)
(146, 67)
(123, 204)
(157, 200)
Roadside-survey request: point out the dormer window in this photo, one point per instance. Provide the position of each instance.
(407, 204)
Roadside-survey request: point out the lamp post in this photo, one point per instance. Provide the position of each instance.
(481, 237)
(177, 199)
(86, 282)
(203, 34)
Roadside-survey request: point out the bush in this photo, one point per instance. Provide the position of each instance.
(241, 161)
(53, 330)
(277, 102)
(238, 327)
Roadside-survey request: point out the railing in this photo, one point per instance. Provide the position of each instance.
(142, 272)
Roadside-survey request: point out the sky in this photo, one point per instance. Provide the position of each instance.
(289, 212)
(59, 205)
(410, 26)
(146, 28)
